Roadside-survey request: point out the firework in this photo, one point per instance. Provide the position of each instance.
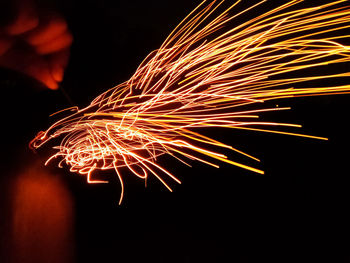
(206, 74)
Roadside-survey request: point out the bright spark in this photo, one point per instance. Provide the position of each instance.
(205, 74)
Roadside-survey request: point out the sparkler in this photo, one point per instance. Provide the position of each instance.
(205, 74)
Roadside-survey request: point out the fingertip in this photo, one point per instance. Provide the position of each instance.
(57, 73)
(50, 82)
(58, 62)
(53, 86)
(41, 72)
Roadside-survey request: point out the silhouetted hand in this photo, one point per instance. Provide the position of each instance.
(36, 44)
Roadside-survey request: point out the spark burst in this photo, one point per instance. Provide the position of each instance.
(205, 74)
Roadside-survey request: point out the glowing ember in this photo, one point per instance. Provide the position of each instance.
(200, 77)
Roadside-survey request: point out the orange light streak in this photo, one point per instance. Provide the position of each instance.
(206, 74)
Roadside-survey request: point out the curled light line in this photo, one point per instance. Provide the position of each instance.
(205, 76)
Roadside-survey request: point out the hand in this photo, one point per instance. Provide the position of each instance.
(36, 44)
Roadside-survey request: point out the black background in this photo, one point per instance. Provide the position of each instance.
(297, 211)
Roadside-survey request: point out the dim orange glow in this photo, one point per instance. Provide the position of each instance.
(40, 227)
(204, 76)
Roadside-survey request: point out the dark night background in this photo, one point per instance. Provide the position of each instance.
(298, 211)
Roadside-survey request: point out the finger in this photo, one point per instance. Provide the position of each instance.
(47, 31)
(26, 19)
(62, 42)
(58, 62)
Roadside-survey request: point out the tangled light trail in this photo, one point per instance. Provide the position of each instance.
(205, 74)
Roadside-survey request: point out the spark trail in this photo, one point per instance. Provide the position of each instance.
(206, 74)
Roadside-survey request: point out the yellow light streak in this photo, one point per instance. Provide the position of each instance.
(207, 74)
